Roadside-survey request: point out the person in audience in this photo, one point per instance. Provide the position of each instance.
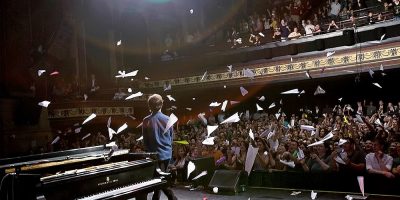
(294, 35)
(178, 167)
(332, 26)
(284, 30)
(352, 156)
(320, 159)
(317, 30)
(396, 162)
(335, 9)
(263, 157)
(309, 27)
(378, 162)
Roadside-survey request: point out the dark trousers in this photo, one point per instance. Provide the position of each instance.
(163, 164)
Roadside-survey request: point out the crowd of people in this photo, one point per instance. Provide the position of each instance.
(303, 18)
(363, 140)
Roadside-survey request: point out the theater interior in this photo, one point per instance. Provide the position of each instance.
(265, 99)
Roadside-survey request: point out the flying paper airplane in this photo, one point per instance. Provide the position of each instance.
(41, 71)
(293, 91)
(232, 119)
(171, 121)
(44, 103)
(92, 116)
(123, 75)
(137, 94)
(243, 91)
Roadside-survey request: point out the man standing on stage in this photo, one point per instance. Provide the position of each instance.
(155, 140)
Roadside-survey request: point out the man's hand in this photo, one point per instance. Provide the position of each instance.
(389, 174)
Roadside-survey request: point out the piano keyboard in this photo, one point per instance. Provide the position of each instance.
(121, 190)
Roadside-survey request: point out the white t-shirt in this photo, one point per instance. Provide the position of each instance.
(372, 163)
(309, 28)
(335, 8)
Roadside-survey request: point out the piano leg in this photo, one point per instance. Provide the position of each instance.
(163, 164)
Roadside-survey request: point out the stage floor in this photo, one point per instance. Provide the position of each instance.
(264, 193)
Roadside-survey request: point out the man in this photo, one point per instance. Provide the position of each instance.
(155, 140)
(379, 162)
(352, 156)
(335, 9)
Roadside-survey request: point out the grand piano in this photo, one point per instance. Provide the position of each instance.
(89, 173)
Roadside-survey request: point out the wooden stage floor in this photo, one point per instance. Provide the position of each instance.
(265, 194)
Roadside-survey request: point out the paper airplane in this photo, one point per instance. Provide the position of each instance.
(307, 128)
(189, 109)
(190, 168)
(119, 42)
(191, 11)
(262, 98)
(41, 71)
(202, 118)
(259, 108)
(54, 73)
(329, 54)
(251, 134)
(377, 85)
(137, 94)
(271, 106)
(122, 128)
(204, 76)
(291, 59)
(340, 99)
(294, 193)
(243, 91)
(203, 173)
(261, 34)
(92, 116)
(123, 75)
(184, 142)
(308, 74)
(78, 130)
(170, 98)
(85, 97)
(381, 67)
(111, 133)
(215, 190)
(339, 160)
(86, 136)
(229, 68)
(342, 141)
(109, 122)
(250, 158)
(224, 104)
(146, 78)
(319, 90)
(55, 140)
(130, 90)
(232, 119)
(211, 129)
(140, 138)
(270, 134)
(248, 73)
(371, 73)
(360, 180)
(171, 121)
(293, 91)
(44, 103)
(313, 195)
(234, 102)
(288, 163)
(214, 104)
(208, 141)
(382, 37)
(277, 115)
(167, 87)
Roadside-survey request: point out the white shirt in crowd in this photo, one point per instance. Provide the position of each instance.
(335, 8)
(371, 162)
(309, 28)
